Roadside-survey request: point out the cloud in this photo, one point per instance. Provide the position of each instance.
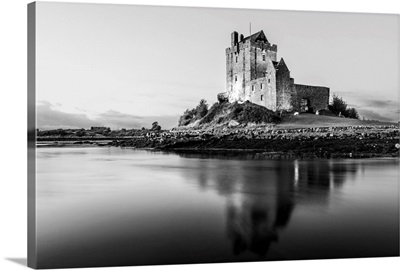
(115, 119)
(381, 103)
(372, 115)
(50, 117)
(47, 117)
(372, 107)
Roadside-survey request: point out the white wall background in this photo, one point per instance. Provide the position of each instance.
(13, 127)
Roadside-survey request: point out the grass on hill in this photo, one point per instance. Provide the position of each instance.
(221, 114)
(308, 120)
(247, 112)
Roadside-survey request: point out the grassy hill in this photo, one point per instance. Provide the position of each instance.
(222, 114)
(311, 120)
(247, 113)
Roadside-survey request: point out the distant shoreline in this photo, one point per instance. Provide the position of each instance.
(326, 153)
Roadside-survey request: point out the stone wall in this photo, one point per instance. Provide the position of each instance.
(284, 88)
(317, 96)
(262, 91)
(237, 66)
(258, 64)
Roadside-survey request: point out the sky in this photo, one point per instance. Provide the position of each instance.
(126, 66)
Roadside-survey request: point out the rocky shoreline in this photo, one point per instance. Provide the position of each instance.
(332, 142)
(267, 141)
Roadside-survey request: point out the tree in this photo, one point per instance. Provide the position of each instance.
(187, 117)
(352, 113)
(192, 115)
(155, 126)
(201, 109)
(338, 105)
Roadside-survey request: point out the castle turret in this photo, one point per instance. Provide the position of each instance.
(234, 38)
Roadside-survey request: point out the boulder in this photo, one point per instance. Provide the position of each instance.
(223, 97)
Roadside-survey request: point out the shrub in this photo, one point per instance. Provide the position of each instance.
(187, 117)
(339, 107)
(81, 133)
(352, 113)
(192, 115)
(155, 126)
(215, 109)
(201, 109)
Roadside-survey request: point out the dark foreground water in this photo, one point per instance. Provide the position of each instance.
(112, 206)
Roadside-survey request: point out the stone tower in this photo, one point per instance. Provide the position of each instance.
(254, 74)
(250, 74)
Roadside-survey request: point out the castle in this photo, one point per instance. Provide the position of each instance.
(254, 74)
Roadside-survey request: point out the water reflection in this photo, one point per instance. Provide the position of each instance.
(262, 194)
(112, 206)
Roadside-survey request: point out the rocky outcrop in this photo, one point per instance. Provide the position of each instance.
(223, 97)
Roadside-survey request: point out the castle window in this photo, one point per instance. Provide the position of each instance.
(261, 86)
(269, 80)
(235, 78)
(263, 57)
(236, 58)
(262, 97)
(252, 88)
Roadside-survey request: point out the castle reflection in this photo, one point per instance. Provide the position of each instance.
(262, 194)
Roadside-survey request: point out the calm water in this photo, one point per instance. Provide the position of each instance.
(112, 206)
